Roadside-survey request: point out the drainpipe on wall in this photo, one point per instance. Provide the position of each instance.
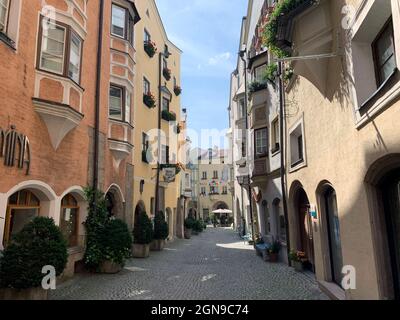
(97, 101)
(241, 54)
(157, 193)
(282, 126)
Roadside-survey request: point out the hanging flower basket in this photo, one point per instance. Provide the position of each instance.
(167, 74)
(177, 90)
(149, 100)
(150, 48)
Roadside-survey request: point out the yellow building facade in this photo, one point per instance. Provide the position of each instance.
(158, 79)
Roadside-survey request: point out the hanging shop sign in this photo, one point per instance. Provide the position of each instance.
(15, 149)
(169, 174)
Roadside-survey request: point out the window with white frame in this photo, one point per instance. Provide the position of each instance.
(241, 109)
(297, 146)
(118, 21)
(261, 142)
(116, 102)
(54, 39)
(373, 56)
(259, 73)
(146, 86)
(146, 37)
(4, 6)
(275, 135)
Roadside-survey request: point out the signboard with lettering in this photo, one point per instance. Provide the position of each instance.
(169, 174)
(15, 149)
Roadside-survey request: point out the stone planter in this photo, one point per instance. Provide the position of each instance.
(109, 267)
(188, 233)
(298, 266)
(157, 245)
(24, 294)
(273, 257)
(140, 250)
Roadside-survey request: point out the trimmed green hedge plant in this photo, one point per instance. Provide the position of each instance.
(143, 229)
(161, 230)
(38, 244)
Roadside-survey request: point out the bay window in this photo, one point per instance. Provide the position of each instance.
(261, 142)
(60, 50)
(128, 101)
(4, 5)
(275, 139)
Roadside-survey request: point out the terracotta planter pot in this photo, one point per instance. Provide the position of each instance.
(140, 250)
(157, 245)
(24, 294)
(109, 267)
(298, 266)
(188, 233)
(273, 257)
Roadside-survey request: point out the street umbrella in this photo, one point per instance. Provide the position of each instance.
(222, 211)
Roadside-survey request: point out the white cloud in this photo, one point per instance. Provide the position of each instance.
(219, 58)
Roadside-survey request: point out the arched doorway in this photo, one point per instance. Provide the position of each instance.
(305, 241)
(332, 239)
(115, 202)
(383, 190)
(222, 218)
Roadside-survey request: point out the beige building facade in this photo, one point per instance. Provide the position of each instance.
(157, 105)
(343, 143)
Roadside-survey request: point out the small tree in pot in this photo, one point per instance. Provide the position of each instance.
(197, 227)
(116, 242)
(274, 251)
(189, 221)
(40, 243)
(142, 236)
(161, 232)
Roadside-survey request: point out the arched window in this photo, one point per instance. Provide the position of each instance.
(23, 207)
(69, 222)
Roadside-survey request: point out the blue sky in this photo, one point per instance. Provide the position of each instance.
(207, 31)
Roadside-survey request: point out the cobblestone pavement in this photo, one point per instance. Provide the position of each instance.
(214, 265)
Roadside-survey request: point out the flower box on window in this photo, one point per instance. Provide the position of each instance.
(168, 116)
(177, 90)
(149, 100)
(167, 74)
(150, 48)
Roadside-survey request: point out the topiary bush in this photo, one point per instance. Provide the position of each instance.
(161, 230)
(116, 241)
(38, 244)
(197, 226)
(189, 223)
(143, 229)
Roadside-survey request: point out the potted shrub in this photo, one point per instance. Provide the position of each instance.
(197, 227)
(297, 258)
(150, 48)
(274, 251)
(177, 90)
(116, 243)
(161, 232)
(40, 243)
(142, 236)
(189, 221)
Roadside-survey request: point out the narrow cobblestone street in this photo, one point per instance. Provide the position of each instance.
(213, 265)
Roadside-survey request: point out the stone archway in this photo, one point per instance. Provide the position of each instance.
(302, 224)
(115, 203)
(382, 186)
